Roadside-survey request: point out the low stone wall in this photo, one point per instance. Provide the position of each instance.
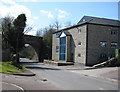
(58, 63)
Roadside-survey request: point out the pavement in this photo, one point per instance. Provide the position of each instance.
(25, 73)
(108, 73)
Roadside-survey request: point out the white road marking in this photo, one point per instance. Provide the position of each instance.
(14, 85)
(101, 88)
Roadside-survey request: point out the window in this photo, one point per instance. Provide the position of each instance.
(114, 32)
(57, 35)
(79, 55)
(79, 31)
(103, 44)
(57, 49)
(103, 55)
(113, 44)
(79, 43)
(62, 48)
(83, 19)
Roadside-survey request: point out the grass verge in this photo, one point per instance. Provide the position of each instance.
(7, 67)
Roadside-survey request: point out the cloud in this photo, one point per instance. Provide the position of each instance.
(61, 13)
(33, 31)
(35, 17)
(61, 16)
(49, 14)
(8, 1)
(43, 11)
(27, 0)
(14, 10)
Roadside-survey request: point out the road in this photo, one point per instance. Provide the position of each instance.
(11, 86)
(67, 80)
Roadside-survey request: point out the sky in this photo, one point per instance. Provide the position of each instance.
(42, 14)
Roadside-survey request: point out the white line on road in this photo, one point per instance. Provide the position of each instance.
(101, 88)
(14, 85)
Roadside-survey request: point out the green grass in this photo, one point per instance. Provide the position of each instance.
(7, 67)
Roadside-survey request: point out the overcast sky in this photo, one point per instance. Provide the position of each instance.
(42, 14)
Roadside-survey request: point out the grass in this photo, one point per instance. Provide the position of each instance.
(7, 67)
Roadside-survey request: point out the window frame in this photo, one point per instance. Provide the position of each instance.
(79, 44)
(79, 55)
(79, 31)
(114, 44)
(57, 49)
(103, 44)
(114, 32)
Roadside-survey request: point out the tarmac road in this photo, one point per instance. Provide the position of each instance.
(67, 80)
(9, 86)
(26, 83)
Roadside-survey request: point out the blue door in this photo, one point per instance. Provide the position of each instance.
(62, 48)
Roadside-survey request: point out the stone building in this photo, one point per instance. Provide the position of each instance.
(91, 41)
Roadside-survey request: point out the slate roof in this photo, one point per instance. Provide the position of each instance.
(97, 20)
(94, 20)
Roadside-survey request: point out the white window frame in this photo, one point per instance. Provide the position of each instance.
(103, 44)
(79, 31)
(79, 44)
(113, 44)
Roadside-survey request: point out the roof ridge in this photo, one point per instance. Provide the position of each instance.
(101, 18)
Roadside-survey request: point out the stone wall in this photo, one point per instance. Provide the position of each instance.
(96, 34)
(68, 48)
(75, 49)
(55, 42)
(90, 49)
(72, 48)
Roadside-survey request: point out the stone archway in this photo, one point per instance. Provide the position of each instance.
(36, 43)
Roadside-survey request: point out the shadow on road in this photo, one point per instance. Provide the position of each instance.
(42, 68)
(30, 62)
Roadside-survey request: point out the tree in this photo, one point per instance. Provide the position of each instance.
(57, 25)
(47, 41)
(40, 32)
(14, 34)
(5, 24)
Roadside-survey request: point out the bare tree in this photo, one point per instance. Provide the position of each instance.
(39, 33)
(57, 25)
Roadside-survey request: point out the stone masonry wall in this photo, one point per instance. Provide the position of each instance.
(55, 42)
(75, 49)
(96, 34)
